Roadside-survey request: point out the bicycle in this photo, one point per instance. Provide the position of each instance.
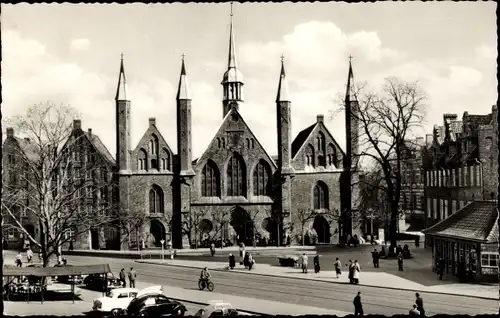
(202, 284)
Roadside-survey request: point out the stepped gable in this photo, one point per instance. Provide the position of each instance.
(477, 221)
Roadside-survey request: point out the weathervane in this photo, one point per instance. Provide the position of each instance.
(231, 8)
(282, 58)
(121, 55)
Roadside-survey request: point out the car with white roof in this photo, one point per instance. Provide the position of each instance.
(216, 308)
(117, 300)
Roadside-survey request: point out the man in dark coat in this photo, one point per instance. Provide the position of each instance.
(420, 304)
(358, 306)
(351, 271)
(316, 263)
(375, 257)
(122, 278)
(441, 268)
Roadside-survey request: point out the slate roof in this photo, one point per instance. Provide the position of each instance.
(477, 221)
(301, 138)
(100, 147)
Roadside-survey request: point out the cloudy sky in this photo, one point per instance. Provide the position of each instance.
(70, 54)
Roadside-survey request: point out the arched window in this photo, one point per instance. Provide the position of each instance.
(321, 160)
(320, 199)
(156, 200)
(262, 179)
(248, 143)
(310, 155)
(143, 162)
(236, 176)
(224, 143)
(218, 142)
(321, 141)
(165, 161)
(210, 180)
(332, 155)
(153, 145)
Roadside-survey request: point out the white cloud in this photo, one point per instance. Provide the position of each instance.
(79, 44)
(486, 52)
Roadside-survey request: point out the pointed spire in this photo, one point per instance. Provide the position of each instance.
(283, 95)
(121, 91)
(350, 94)
(232, 55)
(183, 92)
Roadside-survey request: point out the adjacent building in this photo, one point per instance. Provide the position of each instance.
(460, 163)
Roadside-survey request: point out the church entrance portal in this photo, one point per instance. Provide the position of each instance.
(94, 238)
(242, 225)
(158, 232)
(322, 229)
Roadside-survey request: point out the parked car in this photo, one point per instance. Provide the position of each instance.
(100, 282)
(115, 301)
(155, 305)
(217, 309)
(77, 279)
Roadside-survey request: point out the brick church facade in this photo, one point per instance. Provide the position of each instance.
(234, 190)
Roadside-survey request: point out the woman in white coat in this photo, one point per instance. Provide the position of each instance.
(355, 274)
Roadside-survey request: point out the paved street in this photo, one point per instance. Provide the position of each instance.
(301, 292)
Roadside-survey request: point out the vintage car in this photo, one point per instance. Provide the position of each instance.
(117, 300)
(216, 309)
(155, 305)
(100, 283)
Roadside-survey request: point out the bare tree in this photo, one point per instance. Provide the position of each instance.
(57, 180)
(130, 227)
(304, 216)
(385, 120)
(221, 218)
(191, 224)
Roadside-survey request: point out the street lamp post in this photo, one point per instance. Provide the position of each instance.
(162, 250)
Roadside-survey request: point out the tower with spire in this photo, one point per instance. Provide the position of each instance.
(284, 126)
(351, 158)
(232, 81)
(123, 143)
(184, 171)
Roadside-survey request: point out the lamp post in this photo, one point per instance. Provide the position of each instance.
(162, 250)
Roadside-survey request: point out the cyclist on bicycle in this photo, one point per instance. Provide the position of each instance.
(205, 275)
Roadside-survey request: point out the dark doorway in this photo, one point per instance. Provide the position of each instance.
(30, 229)
(271, 227)
(322, 229)
(242, 225)
(158, 231)
(94, 239)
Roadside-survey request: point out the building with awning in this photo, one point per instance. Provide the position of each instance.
(470, 235)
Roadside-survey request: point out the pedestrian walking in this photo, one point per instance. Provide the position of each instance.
(316, 264)
(375, 258)
(441, 268)
(132, 276)
(355, 274)
(29, 255)
(414, 311)
(358, 306)
(350, 267)
(122, 278)
(400, 261)
(212, 249)
(420, 304)
(19, 260)
(304, 263)
(251, 262)
(338, 267)
(232, 261)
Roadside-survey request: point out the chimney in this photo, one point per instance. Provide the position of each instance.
(10, 132)
(90, 131)
(320, 118)
(77, 124)
(152, 121)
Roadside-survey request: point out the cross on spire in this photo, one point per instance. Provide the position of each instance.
(282, 58)
(231, 8)
(183, 56)
(350, 58)
(121, 56)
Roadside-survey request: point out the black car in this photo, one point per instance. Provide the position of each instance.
(101, 282)
(77, 279)
(155, 305)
